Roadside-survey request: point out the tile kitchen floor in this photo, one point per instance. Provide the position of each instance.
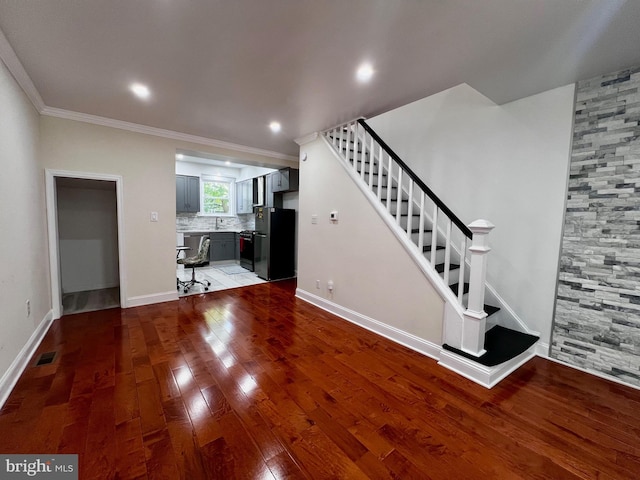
(219, 280)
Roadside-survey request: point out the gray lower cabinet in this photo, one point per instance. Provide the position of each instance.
(187, 194)
(223, 246)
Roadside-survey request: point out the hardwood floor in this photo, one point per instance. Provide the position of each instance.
(253, 383)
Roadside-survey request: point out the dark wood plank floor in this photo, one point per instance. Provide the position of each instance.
(253, 383)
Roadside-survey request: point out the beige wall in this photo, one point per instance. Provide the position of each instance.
(372, 272)
(25, 264)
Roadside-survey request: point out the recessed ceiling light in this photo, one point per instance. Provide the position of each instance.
(227, 162)
(179, 156)
(275, 127)
(140, 90)
(364, 72)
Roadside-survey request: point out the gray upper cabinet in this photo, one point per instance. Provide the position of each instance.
(285, 180)
(270, 197)
(244, 196)
(187, 194)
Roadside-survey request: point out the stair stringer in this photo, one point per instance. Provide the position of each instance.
(453, 311)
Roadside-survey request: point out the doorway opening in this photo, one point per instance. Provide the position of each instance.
(85, 239)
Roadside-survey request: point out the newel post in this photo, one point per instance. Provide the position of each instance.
(473, 328)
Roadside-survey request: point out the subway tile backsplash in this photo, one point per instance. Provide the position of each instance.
(188, 222)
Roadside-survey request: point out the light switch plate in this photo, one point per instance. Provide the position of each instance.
(314, 219)
(154, 216)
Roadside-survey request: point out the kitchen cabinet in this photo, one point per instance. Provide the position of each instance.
(285, 180)
(223, 246)
(187, 194)
(271, 199)
(244, 196)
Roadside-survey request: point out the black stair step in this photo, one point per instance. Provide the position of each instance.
(502, 344)
(455, 287)
(417, 230)
(440, 267)
(375, 174)
(427, 248)
(385, 186)
(404, 200)
(490, 309)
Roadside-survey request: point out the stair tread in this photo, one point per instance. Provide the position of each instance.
(455, 287)
(440, 267)
(417, 230)
(427, 248)
(502, 344)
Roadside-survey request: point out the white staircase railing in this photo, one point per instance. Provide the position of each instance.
(455, 251)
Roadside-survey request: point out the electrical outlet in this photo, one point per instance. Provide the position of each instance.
(154, 216)
(28, 308)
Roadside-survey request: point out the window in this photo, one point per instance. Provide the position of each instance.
(217, 195)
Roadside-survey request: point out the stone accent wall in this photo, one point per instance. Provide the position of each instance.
(597, 319)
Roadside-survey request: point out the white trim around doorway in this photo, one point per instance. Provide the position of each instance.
(52, 232)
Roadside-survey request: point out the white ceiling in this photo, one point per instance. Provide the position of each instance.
(224, 69)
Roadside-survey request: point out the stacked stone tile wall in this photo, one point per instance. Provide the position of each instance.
(597, 319)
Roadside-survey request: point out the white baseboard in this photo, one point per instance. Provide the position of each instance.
(399, 336)
(482, 375)
(151, 299)
(20, 363)
(542, 349)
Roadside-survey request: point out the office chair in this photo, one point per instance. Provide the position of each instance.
(198, 260)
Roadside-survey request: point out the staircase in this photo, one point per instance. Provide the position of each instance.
(450, 253)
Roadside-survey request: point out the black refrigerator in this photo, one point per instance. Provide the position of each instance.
(274, 243)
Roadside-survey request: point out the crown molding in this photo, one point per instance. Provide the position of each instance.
(10, 59)
(306, 138)
(160, 132)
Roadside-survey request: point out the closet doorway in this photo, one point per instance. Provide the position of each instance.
(86, 271)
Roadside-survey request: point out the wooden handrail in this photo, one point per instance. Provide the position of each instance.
(463, 228)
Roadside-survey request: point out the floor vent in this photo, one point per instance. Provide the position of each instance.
(46, 358)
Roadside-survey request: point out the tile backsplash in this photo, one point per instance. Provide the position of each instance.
(188, 222)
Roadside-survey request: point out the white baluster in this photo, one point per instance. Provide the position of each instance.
(410, 209)
(463, 249)
(362, 155)
(340, 142)
(347, 152)
(335, 137)
(389, 177)
(434, 236)
(372, 162)
(475, 317)
(399, 196)
(447, 254)
(380, 169)
(421, 232)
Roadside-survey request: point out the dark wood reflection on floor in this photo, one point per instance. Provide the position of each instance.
(253, 383)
